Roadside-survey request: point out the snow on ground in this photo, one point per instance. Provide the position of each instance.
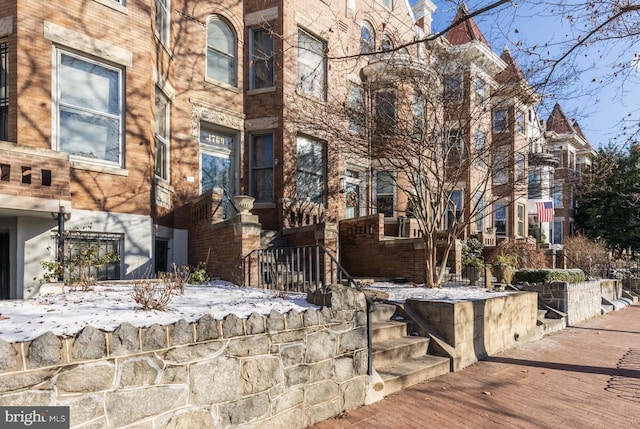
(450, 293)
(107, 307)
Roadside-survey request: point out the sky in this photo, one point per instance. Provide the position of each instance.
(107, 307)
(590, 95)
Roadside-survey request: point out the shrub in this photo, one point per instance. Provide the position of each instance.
(520, 254)
(547, 275)
(152, 294)
(591, 256)
(472, 253)
(200, 274)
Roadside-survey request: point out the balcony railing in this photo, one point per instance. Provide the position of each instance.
(38, 178)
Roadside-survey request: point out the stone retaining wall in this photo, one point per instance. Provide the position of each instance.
(580, 301)
(481, 328)
(281, 370)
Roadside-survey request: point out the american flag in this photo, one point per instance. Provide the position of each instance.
(545, 211)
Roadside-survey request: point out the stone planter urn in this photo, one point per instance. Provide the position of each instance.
(244, 203)
(503, 273)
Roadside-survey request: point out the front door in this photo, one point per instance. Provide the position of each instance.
(217, 161)
(352, 194)
(5, 287)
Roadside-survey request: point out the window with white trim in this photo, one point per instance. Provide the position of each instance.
(261, 72)
(520, 167)
(520, 122)
(312, 65)
(499, 120)
(89, 108)
(557, 195)
(384, 105)
(161, 135)
(481, 91)
(311, 170)
(520, 212)
(455, 208)
(162, 21)
(221, 52)
(261, 167)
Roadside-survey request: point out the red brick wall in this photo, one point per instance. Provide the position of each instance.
(366, 253)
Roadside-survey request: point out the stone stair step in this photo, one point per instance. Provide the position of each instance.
(400, 375)
(394, 350)
(383, 312)
(382, 331)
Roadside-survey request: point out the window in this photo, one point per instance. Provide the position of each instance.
(312, 65)
(557, 195)
(162, 21)
(557, 231)
(480, 141)
(385, 195)
(500, 168)
(261, 58)
(418, 116)
(217, 156)
(500, 120)
(356, 108)
(520, 122)
(520, 218)
(572, 160)
(311, 176)
(221, 52)
(480, 211)
(367, 38)
(384, 103)
(454, 147)
(519, 167)
(500, 218)
(262, 167)
(386, 43)
(89, 108)
(4, 91)
(100, 244)
(481, 92)
(388, 4)
(455, 207)
(535, 185)
(161, 135)
(453, 88)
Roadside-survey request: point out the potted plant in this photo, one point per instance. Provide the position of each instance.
(504, 266)
(472, 259)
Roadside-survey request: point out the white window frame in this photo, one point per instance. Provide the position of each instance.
(60, 104)
(520, 218)
(265, 58)
(520, 125)
(319, 173)
(163, 20)
(558, 195)
(498, 208)
(268, 165)
(500, 124)
(161, 136)
(230, 57)
(312, 65)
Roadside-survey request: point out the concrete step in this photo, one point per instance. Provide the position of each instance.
(394, 350)
(400, 375)
(383, 312)
(382, 331)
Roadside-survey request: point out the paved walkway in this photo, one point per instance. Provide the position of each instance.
(581, 377)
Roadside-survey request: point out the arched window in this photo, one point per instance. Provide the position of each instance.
(386, 44)
(367, 38)
(221, 52)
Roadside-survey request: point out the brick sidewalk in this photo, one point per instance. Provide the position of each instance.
(582, 377)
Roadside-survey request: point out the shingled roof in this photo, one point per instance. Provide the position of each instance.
(512, 73)
(558, 121)
(465, 32)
